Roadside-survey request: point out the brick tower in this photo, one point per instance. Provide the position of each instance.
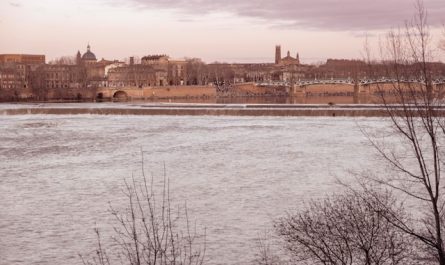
(277, 54)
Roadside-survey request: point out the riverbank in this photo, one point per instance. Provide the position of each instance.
(196, 109)
(348, 110)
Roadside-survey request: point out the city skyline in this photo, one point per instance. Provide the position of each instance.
(238, 31)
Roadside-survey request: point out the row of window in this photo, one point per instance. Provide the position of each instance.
(7, 76)
(56, 76)
(8, 82)
(140, 84)
(57, 86)
(7, 86)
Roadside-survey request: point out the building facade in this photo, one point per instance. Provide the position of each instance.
(15, 80)
(136, 75)
(22, 58)
(58, 81)
(288, 60)
(176, 69)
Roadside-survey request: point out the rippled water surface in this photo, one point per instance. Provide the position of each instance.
(237, 174)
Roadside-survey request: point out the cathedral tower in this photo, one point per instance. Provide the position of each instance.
(277, 54)
(78, 58)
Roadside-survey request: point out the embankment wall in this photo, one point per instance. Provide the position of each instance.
(331, 112)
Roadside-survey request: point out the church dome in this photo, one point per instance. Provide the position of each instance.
(89, 56)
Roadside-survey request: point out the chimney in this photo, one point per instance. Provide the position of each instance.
(131, 60)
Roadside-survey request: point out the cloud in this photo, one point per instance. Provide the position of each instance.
(304, 14)
(15, 4)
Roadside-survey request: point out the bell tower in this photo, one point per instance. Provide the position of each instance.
(78, 58)
(277, 54)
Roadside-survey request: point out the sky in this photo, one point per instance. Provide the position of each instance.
(213, 30)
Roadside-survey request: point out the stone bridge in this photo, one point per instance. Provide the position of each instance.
(128, 93)
(120, 93)
(363, 82)
(350, 87)
(346, 87)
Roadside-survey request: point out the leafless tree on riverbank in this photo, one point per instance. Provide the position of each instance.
(148, 231)
(267, 250)
(346, 229)
(64, 60)
(340, 230)
(415, 107)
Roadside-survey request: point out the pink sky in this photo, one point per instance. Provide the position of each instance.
(214, 30)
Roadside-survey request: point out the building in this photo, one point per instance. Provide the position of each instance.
(22, 58)
(88, 58)
(14, 81)
(15, 72)
(59, 76)
(10, 83)
(278, 54)
(285, 69)
(288, 60)
(58, 81)
(95, 70)
(342, 69)
(176, 69)
(155, 60)
(258, 73)
(136, 75)
(177, 72)
(113, 65)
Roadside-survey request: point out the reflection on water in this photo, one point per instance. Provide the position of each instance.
(274, 100)
(309, 99)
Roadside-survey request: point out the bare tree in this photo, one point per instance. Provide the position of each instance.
(416, 112)
(346, 229)
(64, 60)
(195, 72)
(148, 231)
(268, 251)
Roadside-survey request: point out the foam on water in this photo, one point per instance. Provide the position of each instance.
(237, 174)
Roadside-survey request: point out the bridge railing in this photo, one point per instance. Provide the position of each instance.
(436, 81)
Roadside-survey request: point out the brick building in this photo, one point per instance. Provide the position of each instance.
(58, 81)
(22, 58)
(14, 80)
(288, 60)
(10, 83)
(136, 75)
(175, 69)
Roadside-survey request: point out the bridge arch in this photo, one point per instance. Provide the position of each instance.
(120, 95)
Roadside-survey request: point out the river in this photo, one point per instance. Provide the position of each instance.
(237, 174)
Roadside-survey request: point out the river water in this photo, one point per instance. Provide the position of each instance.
(237, 174)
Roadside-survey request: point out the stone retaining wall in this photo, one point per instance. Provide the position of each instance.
(331, 112)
